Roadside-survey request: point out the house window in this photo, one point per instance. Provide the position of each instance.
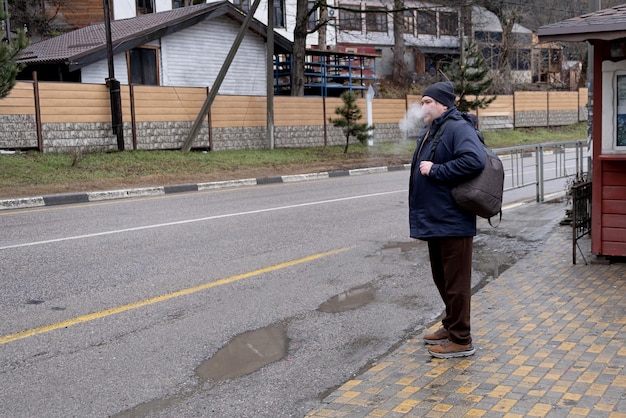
(408, 20)
(145, 7)
(448, 23)
(143, 66)
(242, 5)
(376, 20)
(312, 18)
(279, 13)
(349, 19)
(426, 22)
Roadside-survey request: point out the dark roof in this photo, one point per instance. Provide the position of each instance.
(607, 24)
(87, 45)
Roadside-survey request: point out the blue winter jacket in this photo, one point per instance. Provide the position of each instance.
(458, 157)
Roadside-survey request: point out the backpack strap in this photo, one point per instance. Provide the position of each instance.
(437, 138)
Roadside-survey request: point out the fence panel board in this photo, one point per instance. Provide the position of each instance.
(298, 111)
(239, 111)
(19, 101)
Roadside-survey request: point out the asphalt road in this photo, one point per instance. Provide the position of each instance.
(248, 302)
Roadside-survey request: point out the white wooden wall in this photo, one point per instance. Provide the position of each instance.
(193, 58)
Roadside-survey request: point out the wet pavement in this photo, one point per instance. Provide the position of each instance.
(549, 335)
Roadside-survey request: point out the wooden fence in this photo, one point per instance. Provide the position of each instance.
(36, 108)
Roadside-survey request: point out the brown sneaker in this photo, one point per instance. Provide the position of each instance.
(448, 349)
(437, 337)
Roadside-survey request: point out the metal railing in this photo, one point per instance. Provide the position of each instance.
(535, 165)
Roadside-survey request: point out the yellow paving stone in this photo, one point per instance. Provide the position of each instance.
(373, 390)
(402, 409)
(442, 407)
(560, 337)
(588, 377)
(566, 346)
(491, 368)
(588, 340)
(537, 393)
(475, 413)
(350, 384)
(511, 341)
(580, 411)
(595, 349)
(561, 387)
(571, 397)
(358, 402)
(540, 410)
(603, 360)
(603, 407)
(620, 381)
(500, 391)
(544, 315)
(406, 381)
(523, 371)
(381, 366)
(529, 327)
(515, 350)
(552, 376)
(596, 389)
(528, 383)
(609, 334)
(504, 405)
(411, 389)
(496, 378)
(467, 387)
(474, 398)
(463, 364)
(519, 360)
(622, 351)
(350, 394)
(548, 364)
(378, 413)
(411, 402)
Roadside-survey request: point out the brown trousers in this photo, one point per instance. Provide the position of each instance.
(451, 265)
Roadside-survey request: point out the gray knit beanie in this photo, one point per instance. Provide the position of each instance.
(443, 92)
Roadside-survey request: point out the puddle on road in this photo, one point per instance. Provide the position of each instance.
(246, 353)
(349, 300)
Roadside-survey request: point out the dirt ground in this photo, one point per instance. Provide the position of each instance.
(9, 192)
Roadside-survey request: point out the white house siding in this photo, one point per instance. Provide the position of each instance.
(98, 72)
(290, 22)
(124, 9)
(193, 57)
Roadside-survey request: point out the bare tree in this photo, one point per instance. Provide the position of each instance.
(400, 71)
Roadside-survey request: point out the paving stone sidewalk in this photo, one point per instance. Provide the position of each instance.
(550, 339)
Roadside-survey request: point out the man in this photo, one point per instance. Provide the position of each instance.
(435, 217)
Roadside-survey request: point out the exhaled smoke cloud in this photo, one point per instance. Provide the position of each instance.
(413, 120)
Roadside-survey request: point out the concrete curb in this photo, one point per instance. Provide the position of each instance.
(84, 197)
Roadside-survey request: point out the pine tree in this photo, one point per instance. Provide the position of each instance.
(350, 114)
(9, 51)
(470, 76)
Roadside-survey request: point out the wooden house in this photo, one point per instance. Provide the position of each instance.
(605, 30)
(181, 47)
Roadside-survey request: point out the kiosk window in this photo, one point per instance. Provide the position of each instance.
(621, 111)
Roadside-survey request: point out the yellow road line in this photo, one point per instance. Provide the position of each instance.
(97, 315)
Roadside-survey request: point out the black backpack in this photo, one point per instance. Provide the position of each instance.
(481, 195)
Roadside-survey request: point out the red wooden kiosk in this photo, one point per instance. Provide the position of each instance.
(605, 30)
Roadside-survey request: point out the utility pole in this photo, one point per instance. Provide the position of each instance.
(270, 74)
(594, 5)
(112, 83)
(7, 21)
